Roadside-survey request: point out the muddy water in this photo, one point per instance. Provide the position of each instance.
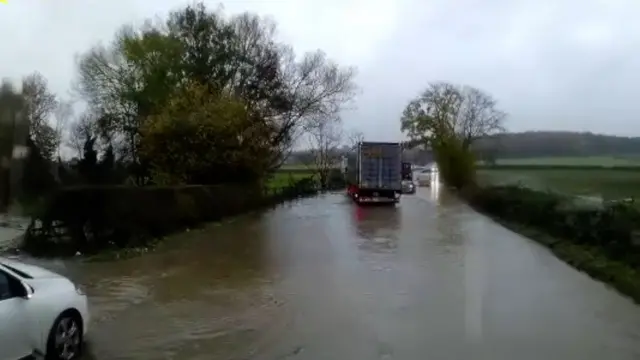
(323, 279)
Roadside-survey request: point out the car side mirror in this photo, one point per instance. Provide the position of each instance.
(26, 290)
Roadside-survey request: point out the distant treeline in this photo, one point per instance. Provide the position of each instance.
(528, 144)
(305, 157)
(557, 143)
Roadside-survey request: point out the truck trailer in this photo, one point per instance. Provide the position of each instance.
(373, 172)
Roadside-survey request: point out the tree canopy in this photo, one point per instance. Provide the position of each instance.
(136, 85)
(217, 142)
(444, 109)
(449, 118)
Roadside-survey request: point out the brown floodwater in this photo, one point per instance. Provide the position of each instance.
(321, 278)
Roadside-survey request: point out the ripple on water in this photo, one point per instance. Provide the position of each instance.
(219, 321)
(381, 245)
(110, 296)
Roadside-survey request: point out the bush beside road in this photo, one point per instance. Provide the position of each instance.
(93, 219)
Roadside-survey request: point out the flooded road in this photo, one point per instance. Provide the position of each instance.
(321, 279)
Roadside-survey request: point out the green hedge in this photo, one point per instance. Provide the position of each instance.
(90, 219)
(336, 180)
(335, 177)
(297, 170)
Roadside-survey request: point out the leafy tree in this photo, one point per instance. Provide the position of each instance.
(206, 139)
(236, 58)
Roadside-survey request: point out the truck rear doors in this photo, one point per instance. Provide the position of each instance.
(380, 166)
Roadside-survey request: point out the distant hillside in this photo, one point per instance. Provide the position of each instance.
(530, 144)
(557, 143)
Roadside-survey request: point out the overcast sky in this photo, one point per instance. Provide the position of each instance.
(552, 64)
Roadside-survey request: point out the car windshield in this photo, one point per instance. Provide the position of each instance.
(224, 190)
(20, 273)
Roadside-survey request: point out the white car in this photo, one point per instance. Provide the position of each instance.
(42, 314)
(423, 177)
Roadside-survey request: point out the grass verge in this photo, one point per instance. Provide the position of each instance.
(281, 180)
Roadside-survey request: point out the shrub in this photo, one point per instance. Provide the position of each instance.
(335, 180)
(456, 163)
(199, 138)
(89, 219)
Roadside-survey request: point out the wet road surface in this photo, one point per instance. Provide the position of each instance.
(323, 279)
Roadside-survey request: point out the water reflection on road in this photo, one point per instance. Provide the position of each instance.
(323, 279)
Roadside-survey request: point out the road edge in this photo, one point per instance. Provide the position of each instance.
(13, 245)
(588, 259)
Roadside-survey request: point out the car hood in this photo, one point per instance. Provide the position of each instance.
(32, 271)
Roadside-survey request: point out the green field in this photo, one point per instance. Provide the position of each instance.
(610, 184)
(552, 173)
(296, 167)
(605, 161)
(283, 179)
(286, 168)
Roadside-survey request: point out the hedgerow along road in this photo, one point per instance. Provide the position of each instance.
(321, 278)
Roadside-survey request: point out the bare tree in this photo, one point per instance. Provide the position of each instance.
(445, 110)
(354, 137)
(317, 90)
(40, 103)
(479, 115)
(325, 136)
(81, 130)
(62, 115)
